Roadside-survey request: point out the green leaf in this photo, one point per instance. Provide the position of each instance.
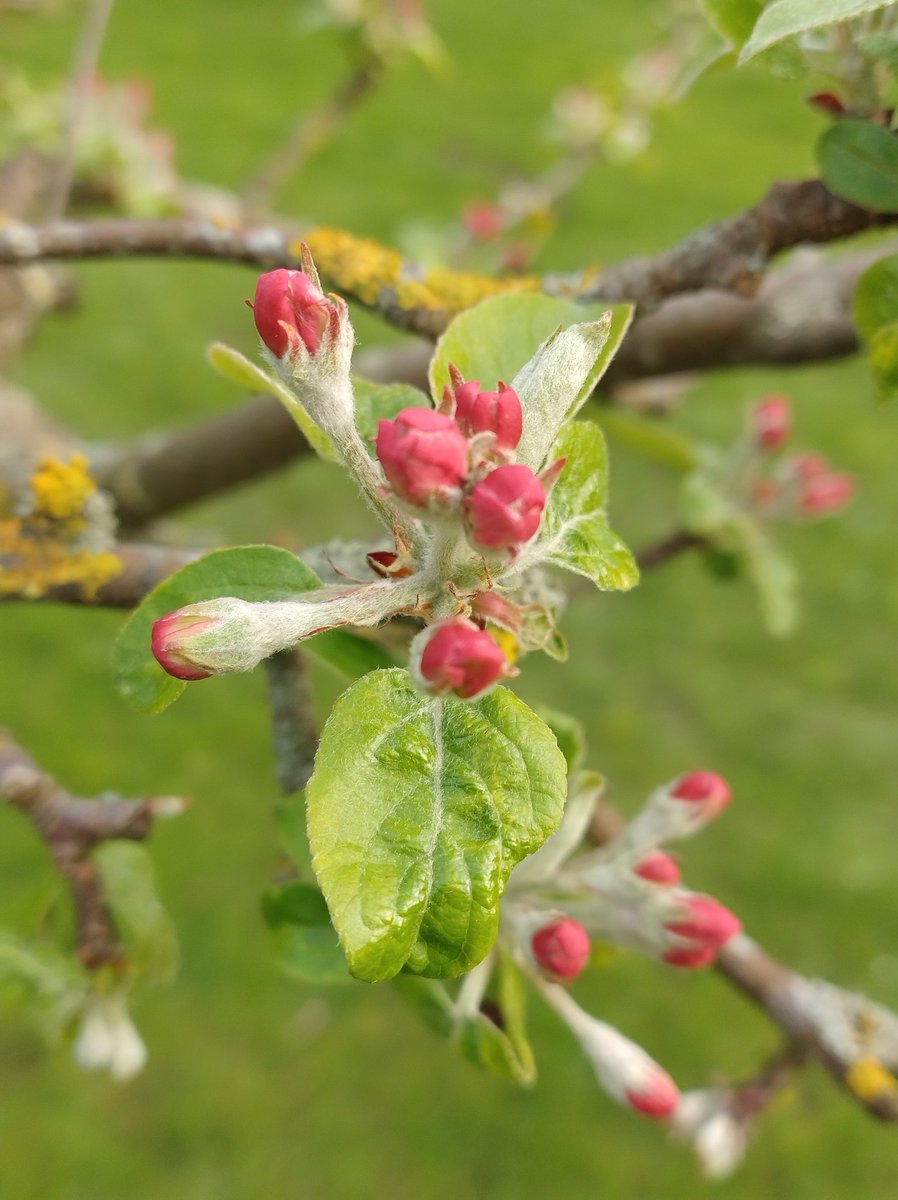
(875, 300)
(881, 46)
(733, 19)
(704, 508)
(304, 941)
(290, 825)
(570, 735)
(249, 573)
(773, 576)
(375, 402)
(652, 439)
(576, 535)
(51, 984)
(786, 18)
(430, 1000)
(860, 162)
(883, 359)
(498, 339)
(419, 807)
(237, 367)
(513, 1006)
(129, 884)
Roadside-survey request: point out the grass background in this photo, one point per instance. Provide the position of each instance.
(259, 1087)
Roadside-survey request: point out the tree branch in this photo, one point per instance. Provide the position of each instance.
(71, 828)
(144, 567)
(294, 728)
(660, 552)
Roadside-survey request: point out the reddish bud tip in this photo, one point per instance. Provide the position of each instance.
(289, 309)
(483, 220)
(711, 791)
(505, 508)
(808, 465)
(771, 422)
(826, 493)
(705, 922)
(827, 102)
(461, 658)
(561, 948)
(170, 638)
(658, 1098)
(658, 867)
(424, 455)
(691, 958)
(490, 412)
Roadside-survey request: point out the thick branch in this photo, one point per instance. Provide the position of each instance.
(144, 567)
(294, 728)
(71, 828)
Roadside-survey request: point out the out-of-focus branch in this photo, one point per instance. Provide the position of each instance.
(71, 828)
(294, 728)
(784, 997)
(144, 567)
(731, 255)
(660, 552)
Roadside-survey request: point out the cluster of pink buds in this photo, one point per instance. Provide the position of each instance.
(459, 459)
(801, 484)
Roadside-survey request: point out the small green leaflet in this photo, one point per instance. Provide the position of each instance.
(733, 19)
(40, 976)
(786, 18)
(237, 367)
(576, 534)
(418, 809)
(876, 316)
(305, 945)
(254, 573)
(129, 885)
(860, 162)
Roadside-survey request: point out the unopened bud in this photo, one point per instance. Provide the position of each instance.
(827, 102)
(505, 508)
(826, 493)
(561, 948)
(771, 422)
(656, 1097)
(808, 465)
(483, 220)
(456, 656)
(424, 456)
(289, 311)
(497, 412)
(710, 793)
(658, 867)
(172, 639)
(704, 923)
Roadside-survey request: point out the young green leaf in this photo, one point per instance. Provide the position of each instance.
(733, 19)
(875, 301)
(773, 576)
(249, 573)
(53, 985)
(860, 162)
(418, 809)
(786, 18)
(883, 359)
(576, 534)
(570, 735)
(237, 367)
(650, 438)
(305, 944)
(129, 884)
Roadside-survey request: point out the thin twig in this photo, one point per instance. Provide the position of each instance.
(669, 547)
(294, 727)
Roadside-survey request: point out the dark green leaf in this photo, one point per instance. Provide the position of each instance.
(305, 944)
(860, 162)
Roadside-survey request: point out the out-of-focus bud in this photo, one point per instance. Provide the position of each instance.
(456, 656)
(705, 925)
(424, 456)
(709, 792)
(561, 948)
(496, 609)
(827, 102)
(771, 421)
(483, 220)
(824, 494)
(656, 1096)
(705, 1118)
(108, 1040)
(497, 412)
(172, 638)
(290, 310)
(658, 867)
(808, 465)
(505, 508)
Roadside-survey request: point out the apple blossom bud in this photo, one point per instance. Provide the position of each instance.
(505, 508)
(483, 220)
(456, 656)
(108, 1040)
(171, 640)
(826, 493)
(289, 309)
(808, 465)
(424, 456)
(657, 1096)
(771, 422)
(497, 412)
(658, 867)
(705, 789)
(561, 948)
(707, 925)
(827, 102)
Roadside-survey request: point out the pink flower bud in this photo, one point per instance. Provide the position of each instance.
(771, 422)
(658, 867)
(691, 958)
(826, 493)
(657, 1097)
(490, 412)
(458, 657)
(171, 640)
(505, 508)
(424, 455)
(483, 220)
(808, 465)
(497, 610)
(704, 922)
(703, 788)
(289, 309)
(827, 102)
(561, 948)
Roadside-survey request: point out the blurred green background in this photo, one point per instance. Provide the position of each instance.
(257, 1086)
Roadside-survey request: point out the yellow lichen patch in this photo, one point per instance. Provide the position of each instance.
(61, 490)
(870, 1080)
(365, 269)
(31, 566)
